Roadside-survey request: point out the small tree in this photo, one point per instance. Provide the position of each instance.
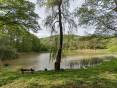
(59, 15)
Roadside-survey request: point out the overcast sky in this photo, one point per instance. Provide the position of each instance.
(42, 13)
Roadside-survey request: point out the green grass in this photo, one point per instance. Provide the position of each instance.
(88, 52)
(101, 76)
(112, 45)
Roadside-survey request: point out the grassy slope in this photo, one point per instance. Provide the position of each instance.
(89, 52)
(101, 76)
(73, 42)
(49, 40)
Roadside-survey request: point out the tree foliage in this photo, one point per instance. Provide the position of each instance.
(99, 13)
(17, 19)
(18, 13)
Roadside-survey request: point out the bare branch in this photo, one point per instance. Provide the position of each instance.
(53, 26)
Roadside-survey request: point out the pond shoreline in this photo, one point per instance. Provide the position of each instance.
(41, 61)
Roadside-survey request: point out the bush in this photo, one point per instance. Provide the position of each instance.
(6, 52)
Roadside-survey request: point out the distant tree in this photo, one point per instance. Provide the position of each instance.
(100, 13)
(59, 15)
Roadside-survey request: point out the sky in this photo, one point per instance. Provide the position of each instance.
(42, 14)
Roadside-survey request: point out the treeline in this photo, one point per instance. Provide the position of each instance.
(12, 44)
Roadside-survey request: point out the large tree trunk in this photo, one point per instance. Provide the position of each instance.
(59, 53)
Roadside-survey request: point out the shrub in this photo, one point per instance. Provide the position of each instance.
(6, 52)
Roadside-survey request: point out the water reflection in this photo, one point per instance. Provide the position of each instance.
(42, 61)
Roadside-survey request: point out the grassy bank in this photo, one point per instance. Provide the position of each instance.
(88, 52)
(101, 76)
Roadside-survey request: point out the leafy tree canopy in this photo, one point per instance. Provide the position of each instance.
(99, 13)
(18, 13)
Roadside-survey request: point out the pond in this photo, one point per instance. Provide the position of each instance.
(42, 61)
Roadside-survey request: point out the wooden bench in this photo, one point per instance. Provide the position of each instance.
(27, 70)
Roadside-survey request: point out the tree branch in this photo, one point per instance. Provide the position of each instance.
(53, 26)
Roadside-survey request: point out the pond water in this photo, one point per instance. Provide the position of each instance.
(42, 61)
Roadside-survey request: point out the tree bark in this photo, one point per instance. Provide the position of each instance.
(59, 53)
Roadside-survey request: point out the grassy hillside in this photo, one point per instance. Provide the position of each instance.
(74, 42)
(101, 76)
